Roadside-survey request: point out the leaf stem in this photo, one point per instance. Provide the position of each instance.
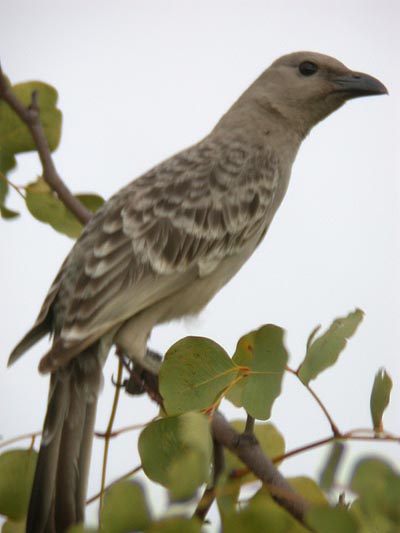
(15, 187)
(335, 429)
(20, 437)
(108, 432)
(100, 494)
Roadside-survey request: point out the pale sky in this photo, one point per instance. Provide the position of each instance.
(139, 80)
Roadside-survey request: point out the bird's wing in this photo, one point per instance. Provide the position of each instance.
(158, 234)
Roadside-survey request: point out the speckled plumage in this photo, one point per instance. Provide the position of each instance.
(160, 249)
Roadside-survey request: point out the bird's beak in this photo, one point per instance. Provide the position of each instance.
(355, 84)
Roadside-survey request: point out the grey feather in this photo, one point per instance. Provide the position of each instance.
(161, 248)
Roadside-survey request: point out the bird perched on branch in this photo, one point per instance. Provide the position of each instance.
(160, 249)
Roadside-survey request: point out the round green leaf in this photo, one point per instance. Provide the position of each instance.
(325, 519)
(176, 452)
(91, 201)
(13, 527)
(309, 489)
(194, 373)
(261, 514)
(46, 207)
(186, 474)
(17, 468)
(378, 486)
(124, 509)
(175, 525)
(14, 135)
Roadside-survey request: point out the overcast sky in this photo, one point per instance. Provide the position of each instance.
(140, 80)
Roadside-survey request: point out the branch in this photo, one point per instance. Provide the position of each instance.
(209, 494)
(31, 118)
(108, 433)
(334, 427)
(246, 447)
(124, 476)
(250, 452)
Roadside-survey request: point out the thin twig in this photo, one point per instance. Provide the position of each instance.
(349, 436)
(304, 448)
(21, 437)
(210, 493)
(15, 187)
(128, 474)
(108, 432)
(117, 432)
(249, 429)
(334, 427)
(30, 116)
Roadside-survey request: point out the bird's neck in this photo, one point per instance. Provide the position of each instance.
(260, 124)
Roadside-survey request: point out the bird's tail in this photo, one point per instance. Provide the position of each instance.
(59, 488)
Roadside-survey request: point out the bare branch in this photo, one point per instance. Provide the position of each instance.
(209, 494)
(31, 117)
(250, 452)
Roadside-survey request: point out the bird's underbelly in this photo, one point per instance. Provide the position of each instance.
(188, 300)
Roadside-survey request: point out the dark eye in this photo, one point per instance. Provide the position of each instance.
(307, 68)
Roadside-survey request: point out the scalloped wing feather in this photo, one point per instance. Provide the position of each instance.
(158, 234)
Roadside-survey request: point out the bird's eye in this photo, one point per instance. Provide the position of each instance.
(307, 68)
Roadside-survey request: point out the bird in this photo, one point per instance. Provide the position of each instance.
(160, 249)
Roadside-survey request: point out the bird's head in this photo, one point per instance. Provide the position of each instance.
(305, 87)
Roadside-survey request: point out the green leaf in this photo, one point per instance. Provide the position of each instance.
(14, 135)
(80, 528)
(17, 468)
(228, 491)
(4, 211)
(13, 527)
(325, 350)
(309, 489)
(176, 452)
(371, 522)
(327, 477)
(7, 161)
(242, 357)
(378, 486)
(7, 214)
(44, 205)
(262, 514)
(47, 208)
(3, 188)
(380, 397)
(194, 373)
(125, 509)
(264, 353)
(175, 525)
(325, 519)
(92, 202)
(186, 474)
